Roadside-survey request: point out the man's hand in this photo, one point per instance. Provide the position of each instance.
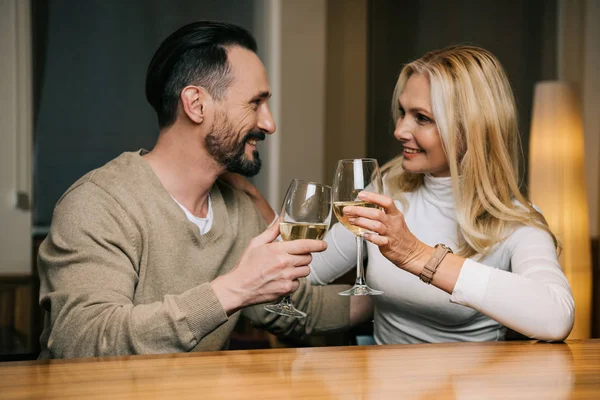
(266, 271)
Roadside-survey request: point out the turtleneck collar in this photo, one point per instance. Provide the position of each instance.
(439, 191)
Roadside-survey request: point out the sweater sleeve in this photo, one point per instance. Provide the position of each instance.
(89, 269)
(338, 259)
(534, 299)
(326, 311)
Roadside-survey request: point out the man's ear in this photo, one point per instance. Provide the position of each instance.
(195, 102)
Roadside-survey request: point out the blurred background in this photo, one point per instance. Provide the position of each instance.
(72, 97)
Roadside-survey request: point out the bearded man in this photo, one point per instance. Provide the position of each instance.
(153, 252)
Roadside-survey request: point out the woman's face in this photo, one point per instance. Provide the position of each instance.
(417, 131)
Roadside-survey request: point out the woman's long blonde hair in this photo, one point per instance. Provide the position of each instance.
(475, 113)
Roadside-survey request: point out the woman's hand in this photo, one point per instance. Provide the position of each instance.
(238, 182)
(395, 241)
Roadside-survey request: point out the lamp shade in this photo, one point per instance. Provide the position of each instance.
(557, 186)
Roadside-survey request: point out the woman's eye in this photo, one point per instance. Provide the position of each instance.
(422, 119)
(401, 112)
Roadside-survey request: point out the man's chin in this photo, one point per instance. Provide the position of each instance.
(246, 167)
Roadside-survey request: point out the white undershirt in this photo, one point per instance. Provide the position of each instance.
(519, 284)
(204, 224)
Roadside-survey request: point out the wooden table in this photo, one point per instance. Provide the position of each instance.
(508, 370)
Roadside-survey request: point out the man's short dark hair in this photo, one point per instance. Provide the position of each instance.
(195, 54)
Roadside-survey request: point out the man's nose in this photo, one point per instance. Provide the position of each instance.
(265, 119)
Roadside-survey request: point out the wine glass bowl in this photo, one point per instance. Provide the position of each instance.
(305, 214)
(352, 176)
(338, 209)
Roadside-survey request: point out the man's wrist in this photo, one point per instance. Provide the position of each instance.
(230, 299)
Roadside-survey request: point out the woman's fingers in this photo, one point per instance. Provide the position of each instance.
(381, 200)
(369, 224)
(377, 240)
(365, 212)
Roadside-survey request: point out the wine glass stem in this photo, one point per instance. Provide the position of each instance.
(286, 301)
(360, 271)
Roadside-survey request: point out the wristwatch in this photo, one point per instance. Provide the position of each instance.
(434, 262)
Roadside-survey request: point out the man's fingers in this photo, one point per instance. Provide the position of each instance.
(295, 285)
(303, 246)
(300, 260)
(300, 272)
(267, 236)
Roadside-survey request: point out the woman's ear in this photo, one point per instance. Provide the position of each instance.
(195, 102)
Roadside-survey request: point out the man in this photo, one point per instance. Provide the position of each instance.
(152, 253)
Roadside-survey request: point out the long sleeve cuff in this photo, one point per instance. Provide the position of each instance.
(335, 310)
(203, 310)
(472, 284)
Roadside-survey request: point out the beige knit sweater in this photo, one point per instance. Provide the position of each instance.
(124, 272)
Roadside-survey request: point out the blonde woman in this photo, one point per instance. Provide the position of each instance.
(454, 187)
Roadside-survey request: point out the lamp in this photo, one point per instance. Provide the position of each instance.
(557, 187)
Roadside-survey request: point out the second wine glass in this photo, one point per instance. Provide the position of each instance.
(351, 177)
(305, 214)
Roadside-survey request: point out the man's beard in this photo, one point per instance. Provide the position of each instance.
(222, 146)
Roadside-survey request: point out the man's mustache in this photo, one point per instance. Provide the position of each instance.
(257, 135)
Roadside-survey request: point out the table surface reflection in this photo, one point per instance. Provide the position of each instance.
(502, 370)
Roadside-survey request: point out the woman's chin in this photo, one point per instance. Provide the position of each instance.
(409, 167)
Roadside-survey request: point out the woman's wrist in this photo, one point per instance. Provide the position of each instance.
(417, 263)
(263, 207)
(253, 192)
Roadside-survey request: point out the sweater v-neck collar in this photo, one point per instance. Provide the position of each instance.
(220, 214)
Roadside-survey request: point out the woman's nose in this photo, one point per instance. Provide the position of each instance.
(402, 131)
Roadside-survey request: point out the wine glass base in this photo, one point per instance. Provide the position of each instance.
(360, 290)
(285, 310)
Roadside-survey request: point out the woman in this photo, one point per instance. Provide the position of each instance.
(455, 184)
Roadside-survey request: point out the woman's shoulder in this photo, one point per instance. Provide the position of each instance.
(521, 236)
(525, 207)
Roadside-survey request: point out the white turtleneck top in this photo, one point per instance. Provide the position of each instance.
(519, 284)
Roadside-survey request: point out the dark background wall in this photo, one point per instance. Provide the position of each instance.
(522, 34)
(90, 65)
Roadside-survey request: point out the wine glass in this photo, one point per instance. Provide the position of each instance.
(305, 214)
(351, 177)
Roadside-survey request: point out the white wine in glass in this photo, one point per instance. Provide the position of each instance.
(351, 177)
(305, 214)
(338, 209)
(300, 230)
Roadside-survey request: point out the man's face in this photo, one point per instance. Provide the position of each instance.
(243, 117)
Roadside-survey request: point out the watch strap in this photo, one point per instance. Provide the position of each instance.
(434, 262)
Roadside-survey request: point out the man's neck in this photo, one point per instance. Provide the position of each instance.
(185, 169)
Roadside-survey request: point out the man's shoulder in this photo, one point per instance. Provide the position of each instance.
(115, 184)
(118, 174)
